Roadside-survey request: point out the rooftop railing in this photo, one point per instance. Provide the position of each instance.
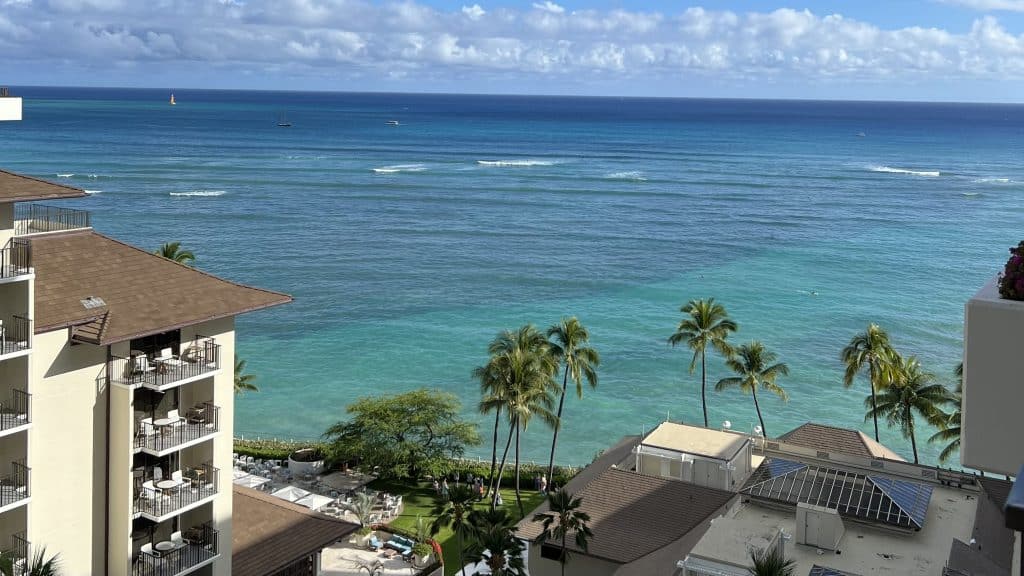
(15, 412)
(40, 218)
(200, 357)
(15, 259)
(14, 486)
(197, 545)
(160, 498)
(15, 335)
(163, 433)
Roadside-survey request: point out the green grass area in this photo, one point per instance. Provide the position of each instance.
(418, 499)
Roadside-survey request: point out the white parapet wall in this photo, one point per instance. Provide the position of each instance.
(10, 108)
(993, 398)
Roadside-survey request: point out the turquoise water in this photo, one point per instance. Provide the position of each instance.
(485, 213)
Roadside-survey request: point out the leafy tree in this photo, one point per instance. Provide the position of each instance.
(243, 382)
(564, 518)
(868, 350)
(705, 322)
(37, 564)
(404, 434)
(753, 364)
(910, 390)
(568, 344)
(454, 513)
(949, 430)
(495, 543)
(173, 251)
(773, 563)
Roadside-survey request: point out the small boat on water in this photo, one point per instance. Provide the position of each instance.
(282, 122)
(392, 122)
(172, 99)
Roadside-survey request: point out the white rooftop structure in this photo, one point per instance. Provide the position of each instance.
(10, 106)
(702, 456)
(695, 440)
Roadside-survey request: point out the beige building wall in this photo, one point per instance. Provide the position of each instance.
(6, 223)
(578, 565)
(121, 494)
(67, 452)
(224, 397)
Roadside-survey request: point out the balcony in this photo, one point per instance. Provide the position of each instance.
(14, 414)
(186, 552)
(159, 500)
(14, 486)
(18, 553)
(200, 359)
(159, 436)
(15, 337)
(15, 260)
(40, 219)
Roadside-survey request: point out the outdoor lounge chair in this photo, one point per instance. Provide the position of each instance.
(374, 544)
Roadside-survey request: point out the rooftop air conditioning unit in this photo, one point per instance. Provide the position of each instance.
(818, 526)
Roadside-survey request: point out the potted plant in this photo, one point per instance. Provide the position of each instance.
(362, 536)
(1011, 281)
(421, 554)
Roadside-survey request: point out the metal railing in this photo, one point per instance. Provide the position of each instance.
(18, 554)
(199, 421)
(200, 357)
(199, 544)
(197, 483)
(15, 335)
(15, 259)
(15, 412)
(40, 218)
(14, 486)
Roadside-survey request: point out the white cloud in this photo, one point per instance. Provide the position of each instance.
(989, 5)
(474, 12)
(549, 6)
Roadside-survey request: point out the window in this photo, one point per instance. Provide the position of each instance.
(550, 552)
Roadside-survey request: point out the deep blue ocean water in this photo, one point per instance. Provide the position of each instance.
(409, 247)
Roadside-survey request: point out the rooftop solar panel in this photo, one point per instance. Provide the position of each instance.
(825, 571)
(912, 497)
(778, 466)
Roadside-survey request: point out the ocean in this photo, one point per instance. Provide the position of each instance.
(408, 248)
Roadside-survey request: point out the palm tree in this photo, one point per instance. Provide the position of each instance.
(869, 349)
(753, 364)
(910, 390)
(173, 251)
(564, 517)
(37, 564)
(523, 364)
(454, 513)
(569, 346)
(496, 544)
(243, 382)
(950, 429)
(362, 506)
(773, 563)
(706, 322)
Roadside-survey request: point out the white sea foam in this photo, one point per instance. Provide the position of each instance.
(92, 191)
(68, 175)
(200, 193)
(634, 175)
(504, 163)
(400, 168)
(891, 170)
(971, 194)
(92, 176)
(993, 181)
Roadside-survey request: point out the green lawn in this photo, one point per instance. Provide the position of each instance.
(418, 499)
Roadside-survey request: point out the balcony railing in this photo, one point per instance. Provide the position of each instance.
(197, 545)
(160, 498)
(158, 434)
(14, 486)
(15, 259)
(200, 357)
(15, 335)
(15, 412)
(39, 218)
(18, 554)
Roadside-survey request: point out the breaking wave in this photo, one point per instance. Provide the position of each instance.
(891, 170)
(400, 168)
(200, 193)
(504, 163)
(634, 175)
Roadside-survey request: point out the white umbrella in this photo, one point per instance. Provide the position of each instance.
(251, 481)
(291, 493)
(314, 501)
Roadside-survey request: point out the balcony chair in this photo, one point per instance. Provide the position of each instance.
(140, 365)
(147, 549)
(175, 418)
(178, 477)
(146, 427)
(177, 540)
(158, 474)
(167, 357)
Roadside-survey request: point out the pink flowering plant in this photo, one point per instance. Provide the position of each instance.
(1011, 281)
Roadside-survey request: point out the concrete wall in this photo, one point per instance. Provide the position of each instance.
(67, 452)
(578, 565)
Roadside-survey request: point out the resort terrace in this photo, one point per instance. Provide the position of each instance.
(163, 370)
(159, 499)
(186, 552)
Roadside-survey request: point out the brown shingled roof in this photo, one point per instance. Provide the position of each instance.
(270, 533)
(632, 515)
(839, 440)
(18, 188)
(144, 293)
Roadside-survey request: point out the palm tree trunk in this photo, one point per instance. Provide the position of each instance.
(764, 431)
(519, 499)
(501, 468)
(913, 441)
(561, 558)
(458, 542)
(704, 386)
(558, 424)
(494, 452)
(871, 381)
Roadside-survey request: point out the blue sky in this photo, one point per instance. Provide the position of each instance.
(967, 50)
